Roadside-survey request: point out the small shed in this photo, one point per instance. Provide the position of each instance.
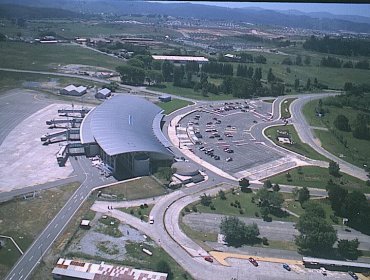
(165, 98)
(103, 93)
(85, 224)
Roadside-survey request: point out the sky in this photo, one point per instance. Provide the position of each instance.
(339, 9)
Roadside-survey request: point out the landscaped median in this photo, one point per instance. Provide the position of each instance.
(295, 145)
(318, 177)
(285, 107)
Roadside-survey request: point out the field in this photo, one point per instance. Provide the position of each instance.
(25, 219)
(139, 212)
(250, 209)
(9, 80)
(298, 146)
(317, 177)
(28, 56)
(190, 93)
(357, 151)
(143, 187)
(173, 105)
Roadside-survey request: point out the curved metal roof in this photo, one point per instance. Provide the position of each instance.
(125, 124)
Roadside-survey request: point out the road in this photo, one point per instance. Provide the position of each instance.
(306, 135)
(275, 230)
(30, 259)
(166, 212)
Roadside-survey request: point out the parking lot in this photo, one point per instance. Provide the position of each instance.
(221, 134)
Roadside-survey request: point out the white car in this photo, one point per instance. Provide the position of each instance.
(323, 271)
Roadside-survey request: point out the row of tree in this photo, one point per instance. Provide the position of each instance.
(359, 128)
(298, 60)
(334, 62)
(340, 46)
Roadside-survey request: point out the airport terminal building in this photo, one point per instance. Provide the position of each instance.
(125, 131)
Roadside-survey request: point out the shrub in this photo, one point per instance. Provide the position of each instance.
(256, 214)
(139, 213)
(212, 207)
(187, 209)
(146, 205)
(132, 211)
(232, 204)
(241, 211)
(194, 208)
(141, 206)
(265, 241)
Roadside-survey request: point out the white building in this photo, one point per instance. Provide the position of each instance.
(73, 90)
(103, 93)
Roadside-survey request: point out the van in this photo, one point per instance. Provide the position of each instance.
(151, 220)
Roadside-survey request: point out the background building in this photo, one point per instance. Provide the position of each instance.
(73, 90)
(125, 131)
(103, 93)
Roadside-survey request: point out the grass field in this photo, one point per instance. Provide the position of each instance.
(190, 93)
(138, 211)
(173, 105)
(250, 209)
(317, 177)
(9, 80)
(25, 219)
(285, 108)
(28, 56)
(297, 146)
(141, 188)
(357, 151)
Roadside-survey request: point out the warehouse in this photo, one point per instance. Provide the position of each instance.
(180, 59)
(125, 131)
(73, 90)
(103, 93)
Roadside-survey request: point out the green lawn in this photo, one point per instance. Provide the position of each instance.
(190, 93)
(46, 57)
(297, 146)
(25, 219)
(317, 177)
(9, 80)
(357, 151)
(138, 211)
(141, 188)
(173, 105)
(249, 208)
(285, 108)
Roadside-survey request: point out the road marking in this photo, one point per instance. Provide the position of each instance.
(69, 208)
(48, 236)
(21, 277)
(63, 216)
(39, 246)
(20, 271)
(56, 226)
(12, 276)
(30, 258)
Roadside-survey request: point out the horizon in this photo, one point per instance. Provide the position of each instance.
(332, 8)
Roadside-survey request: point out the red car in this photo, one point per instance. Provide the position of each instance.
(253, 261)
(208, 259)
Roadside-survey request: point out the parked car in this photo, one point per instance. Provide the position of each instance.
(253, 261)
(323, 271)
(217, 158)
(287, 267)
(230, 151)
(208, 259)
(353, 275)
(229, 159)
(254, 121)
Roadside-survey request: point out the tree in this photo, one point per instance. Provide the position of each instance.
(361, 131)
(265, 211)
(314, 209)
(163, 266)
(298, 60)
(349, 248)
(355, 207)
(205, 200)
(167, 70)
(237, 233)
(244, 185)
(307, 60)
(222, 195)
(342, 123)
(296, 84)
(334, 168)
(135, 62)
(303, 195)
(337, 196)
(131, 75)
(267, 184)
(270, 76)
(269, 199)
(287, 61)
(276, 188)
(316, 234)
(308, 84)
(178, 75)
